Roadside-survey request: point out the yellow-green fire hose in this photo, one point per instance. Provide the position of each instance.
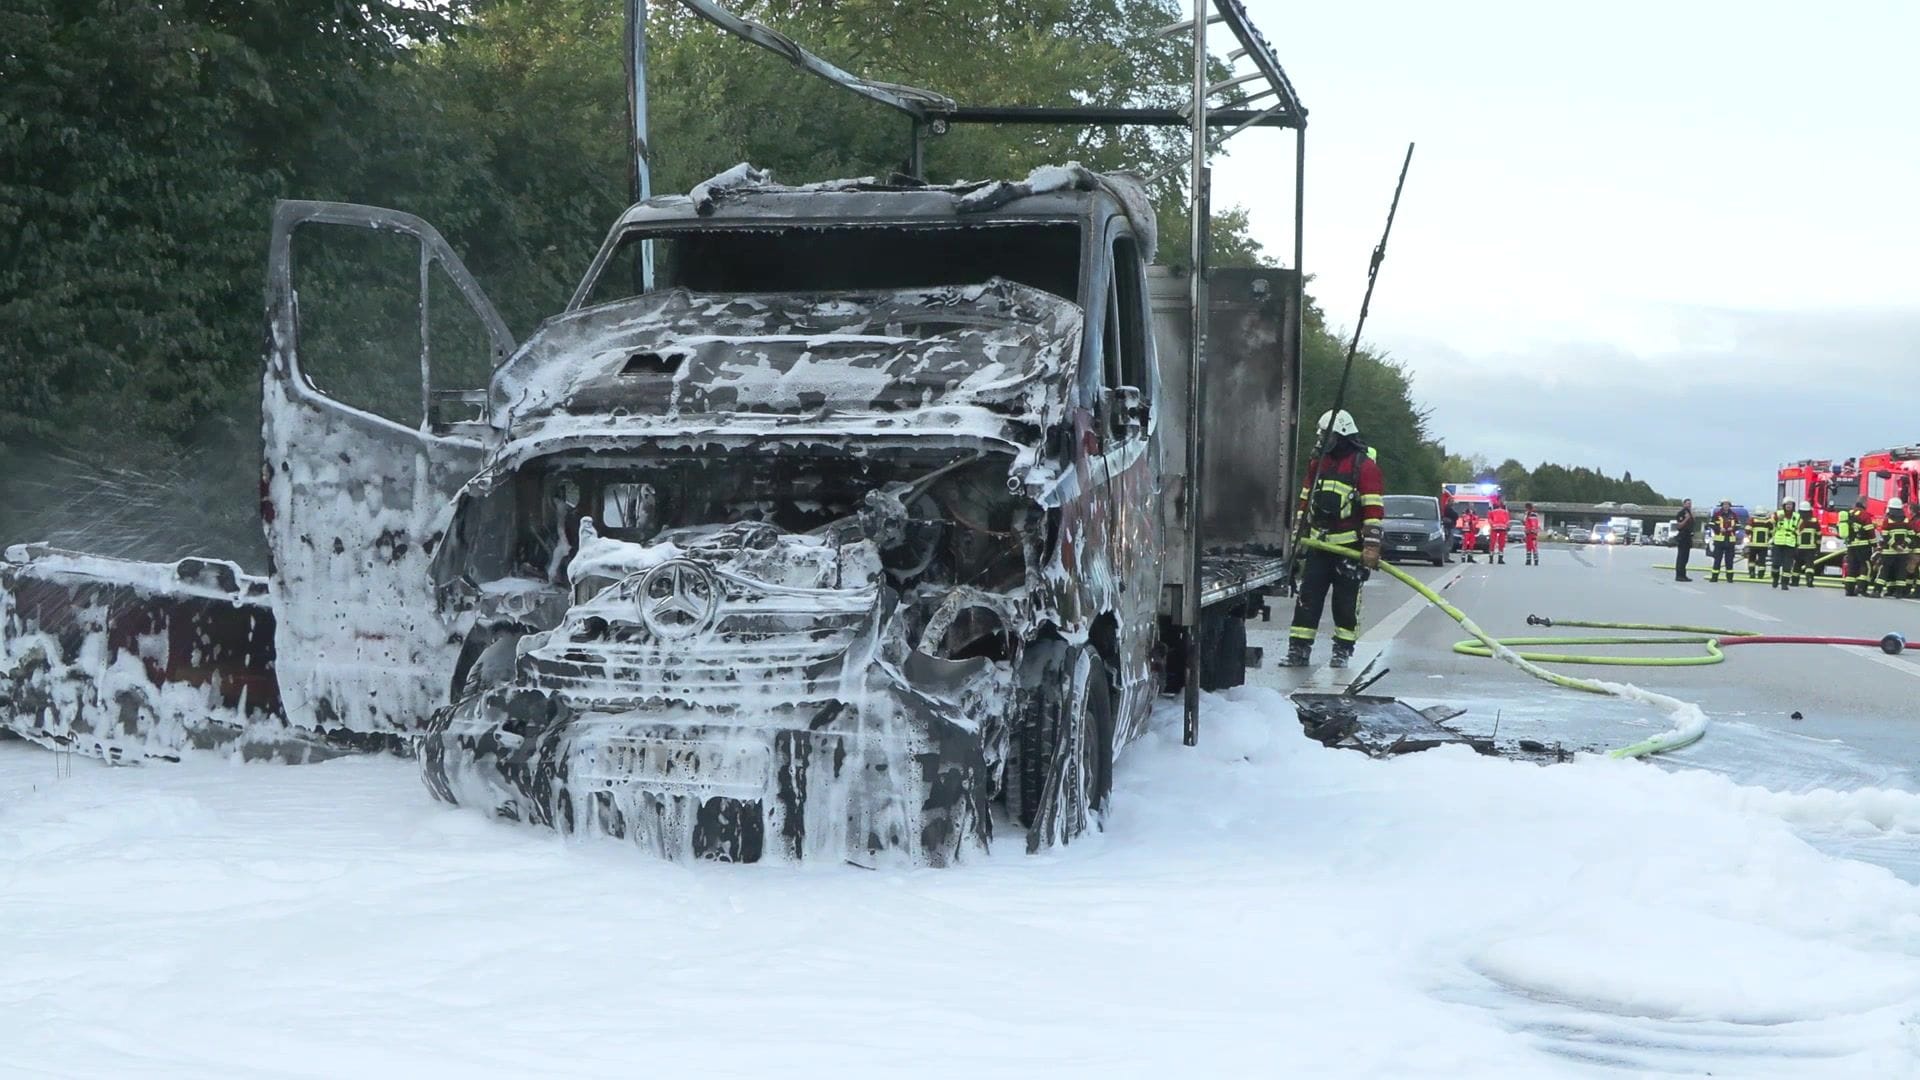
(1689, 722)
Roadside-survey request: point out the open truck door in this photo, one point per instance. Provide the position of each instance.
(372, 321)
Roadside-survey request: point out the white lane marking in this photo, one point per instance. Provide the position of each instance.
(1882, 659)
(1757, 616)
(1690, 589)
(1397, 620)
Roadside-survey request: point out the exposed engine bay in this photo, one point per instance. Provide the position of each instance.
(831, 617)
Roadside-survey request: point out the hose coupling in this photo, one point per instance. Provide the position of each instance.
(1893, 643)
(1539, 620)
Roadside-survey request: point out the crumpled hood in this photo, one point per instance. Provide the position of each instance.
(680, 354)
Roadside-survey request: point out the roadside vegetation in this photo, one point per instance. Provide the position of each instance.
(142, 145)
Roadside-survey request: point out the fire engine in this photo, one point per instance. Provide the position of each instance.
(1817, 485)
(1888, 474)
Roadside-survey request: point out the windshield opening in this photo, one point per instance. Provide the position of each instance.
(844, 258)
(1843, 493)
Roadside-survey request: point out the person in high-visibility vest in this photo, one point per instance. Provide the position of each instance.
(1469, 533)
(1856, 530)
(1807, 546)
(1759, 535)
(1531, 523)
(1786, 539)
(1498, 520)
(1897, 544)
(1723, 525)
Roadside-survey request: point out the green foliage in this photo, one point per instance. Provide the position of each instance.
(1379, 394)
(142, 143)
(1551, 483)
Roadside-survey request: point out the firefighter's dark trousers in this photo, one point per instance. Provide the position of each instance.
(1682, 547)
(1896, 570)
(1783, 556)
(1756, 560)
(1808, 571)
(1722, 557)
(1320, 571)
(1859, 573)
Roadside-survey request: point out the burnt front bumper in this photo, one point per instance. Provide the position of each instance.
(883, 775)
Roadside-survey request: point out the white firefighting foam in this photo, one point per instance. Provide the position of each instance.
(1257, 906)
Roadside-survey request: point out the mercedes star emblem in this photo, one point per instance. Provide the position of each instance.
(678, 599)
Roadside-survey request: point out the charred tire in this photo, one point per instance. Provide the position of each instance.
(1067, 749)
(1223, 648)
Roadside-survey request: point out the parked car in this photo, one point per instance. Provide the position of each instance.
(1412, 529)
(1579, 534)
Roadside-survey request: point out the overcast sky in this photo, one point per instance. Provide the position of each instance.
(1675, 238)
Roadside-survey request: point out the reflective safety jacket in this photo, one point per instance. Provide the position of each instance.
(1343, 496)
(1759, 530)
(1532, 524)
(1809, 531)
(1897, 534)
(1498, 519)
(1786, 529)
(1855, 529)
(1723, 524)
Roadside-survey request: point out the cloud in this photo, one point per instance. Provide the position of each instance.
(1705, 423)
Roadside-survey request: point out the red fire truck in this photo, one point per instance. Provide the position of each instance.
(1817, 484)
(1823, 487)
(1888, 474)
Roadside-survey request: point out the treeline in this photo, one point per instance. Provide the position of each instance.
(1548, 482)
(142, 145)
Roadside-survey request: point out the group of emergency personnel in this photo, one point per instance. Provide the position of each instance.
(1499, 520)
(1881, 557)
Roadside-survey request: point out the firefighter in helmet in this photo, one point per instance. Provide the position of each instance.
(1342, 502)
(1897, 552)
(1723, 525)
(1759, 535)
(1807, 546)
(1786, 540)
(1856, 530)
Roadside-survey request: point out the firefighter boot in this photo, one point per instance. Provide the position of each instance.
(1299, 653)
(1503, 558)
(1342, 654)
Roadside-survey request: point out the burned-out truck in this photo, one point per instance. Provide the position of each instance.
(840, 521)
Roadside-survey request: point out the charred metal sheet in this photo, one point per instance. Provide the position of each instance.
(127, 661)
(1376, 726)
(1388, 727)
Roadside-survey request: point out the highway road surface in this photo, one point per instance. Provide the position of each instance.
(1786, 717)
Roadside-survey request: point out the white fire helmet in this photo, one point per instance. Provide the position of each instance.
(1341, 422)
(1895, 503)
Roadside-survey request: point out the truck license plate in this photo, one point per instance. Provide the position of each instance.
(726, 766)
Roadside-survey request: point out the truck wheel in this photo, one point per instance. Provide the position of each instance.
(1223, 648)
(1071, 757)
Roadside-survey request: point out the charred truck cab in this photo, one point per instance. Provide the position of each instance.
(843, 539)
(843, 521)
